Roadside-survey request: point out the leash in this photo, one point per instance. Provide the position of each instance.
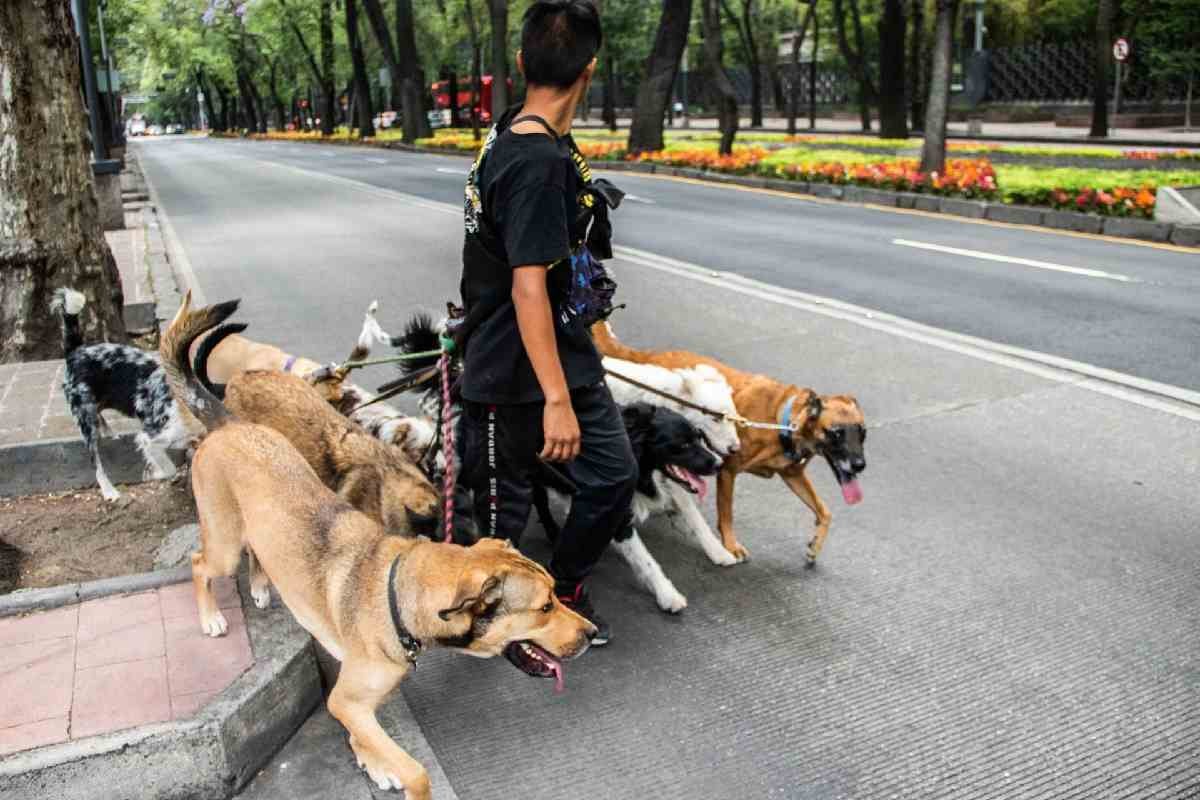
(447, 446)
(370, 362)
(736, 419)
(390, 390)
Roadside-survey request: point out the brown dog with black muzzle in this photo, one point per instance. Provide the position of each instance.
(376, 478)
(829, 425)
(372, 600)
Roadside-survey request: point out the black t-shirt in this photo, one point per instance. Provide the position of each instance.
(529, 189)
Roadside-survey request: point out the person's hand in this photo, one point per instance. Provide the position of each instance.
(561, 431)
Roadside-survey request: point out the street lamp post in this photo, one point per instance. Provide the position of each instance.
(979, 25)
(102, 164)
(812, 69)
(110, 81)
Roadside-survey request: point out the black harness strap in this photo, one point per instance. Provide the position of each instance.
(535, 118)
(410, 643)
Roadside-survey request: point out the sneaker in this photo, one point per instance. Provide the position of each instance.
(577, 599)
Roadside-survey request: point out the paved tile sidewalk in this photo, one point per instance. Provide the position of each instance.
(114, 663)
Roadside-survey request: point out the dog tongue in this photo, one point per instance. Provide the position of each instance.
(851, 492)
(697, 483)
(557, 669)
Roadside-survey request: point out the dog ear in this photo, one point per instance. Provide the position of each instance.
(813, 408)
(476, 591)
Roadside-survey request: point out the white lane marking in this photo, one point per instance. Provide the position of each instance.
(1176, 400)
(1164, 397)
(379, 161)
(329, 155)
(449, 171)
(636, 199)
(1025, 262)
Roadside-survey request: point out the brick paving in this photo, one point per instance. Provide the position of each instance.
(114, 663)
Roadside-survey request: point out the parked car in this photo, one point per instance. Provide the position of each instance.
(154, 130)
(137, 127)
(387, 119)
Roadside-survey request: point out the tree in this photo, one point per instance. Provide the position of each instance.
(893, 116)
(745, 30)
(1103, 56)
(933, 151)
(654, 92)
(327, 77)
(797, 41)
(1172, 54)
(722, 86)
(50, 231)
(412, 91)
(476, 66)
(362, 87)
(499, 10)
(916, 62)
(856, 57)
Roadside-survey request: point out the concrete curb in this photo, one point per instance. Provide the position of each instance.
(24, 601)
(211, 755)
(60, 465)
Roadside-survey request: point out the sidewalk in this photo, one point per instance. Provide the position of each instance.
(998, 131)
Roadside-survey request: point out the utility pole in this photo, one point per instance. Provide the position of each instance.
(110, 81)
(99, 141)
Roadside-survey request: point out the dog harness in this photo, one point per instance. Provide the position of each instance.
(410, 644)
(812, 410)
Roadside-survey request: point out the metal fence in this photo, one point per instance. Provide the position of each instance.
(1062, 72)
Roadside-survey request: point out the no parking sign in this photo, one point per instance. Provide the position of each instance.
(1121, 50)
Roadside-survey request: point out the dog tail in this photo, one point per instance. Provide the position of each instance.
(205, 351)
(420, 335)
(68, 303)
(609, 345)
(173, 350)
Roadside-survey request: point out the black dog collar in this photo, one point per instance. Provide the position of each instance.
(786, 440)
(410, 643)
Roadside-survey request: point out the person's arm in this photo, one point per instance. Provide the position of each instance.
(535, 321)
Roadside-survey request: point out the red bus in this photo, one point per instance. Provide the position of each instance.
(441, 100)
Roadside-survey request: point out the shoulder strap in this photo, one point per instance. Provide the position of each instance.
(540, 120)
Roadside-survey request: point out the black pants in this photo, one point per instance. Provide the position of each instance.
(498, 446)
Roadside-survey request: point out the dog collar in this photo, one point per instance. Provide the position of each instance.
(785, 435)
(410, 643)
(289, 363)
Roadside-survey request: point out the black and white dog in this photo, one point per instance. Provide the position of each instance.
(673, 457)
(124, 379)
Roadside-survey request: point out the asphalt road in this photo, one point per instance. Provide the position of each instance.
(1012, 611)
(1145, 326)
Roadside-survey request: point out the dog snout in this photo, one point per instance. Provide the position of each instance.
(858, 464)
(422, 524)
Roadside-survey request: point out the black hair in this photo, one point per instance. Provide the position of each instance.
(558, 40)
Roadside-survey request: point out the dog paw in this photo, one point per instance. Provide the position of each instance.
(383, 777)
(671, 602)
(261, 595)
(216, 625)
(732, 556)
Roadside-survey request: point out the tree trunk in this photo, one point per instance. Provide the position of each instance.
(476, 65)
(1187, 105)
(50, 231)
(1101, 85)
(379, 27)
(207, 90)
(609, 95)
(752, 58)
(328, 90)
(855, 58)
(499, 57)
(362, 86)
(662, 67)
(916, 63)
(893, 116)
(794, 88)
(714, 58)
(416, 124)
(276, 101)
(222, 118)
(933, 151)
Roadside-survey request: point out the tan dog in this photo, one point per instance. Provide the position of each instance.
(222, 353)
(377, 479)
(372, 600)
(829, 425)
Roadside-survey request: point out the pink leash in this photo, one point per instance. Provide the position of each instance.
(447, 449)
